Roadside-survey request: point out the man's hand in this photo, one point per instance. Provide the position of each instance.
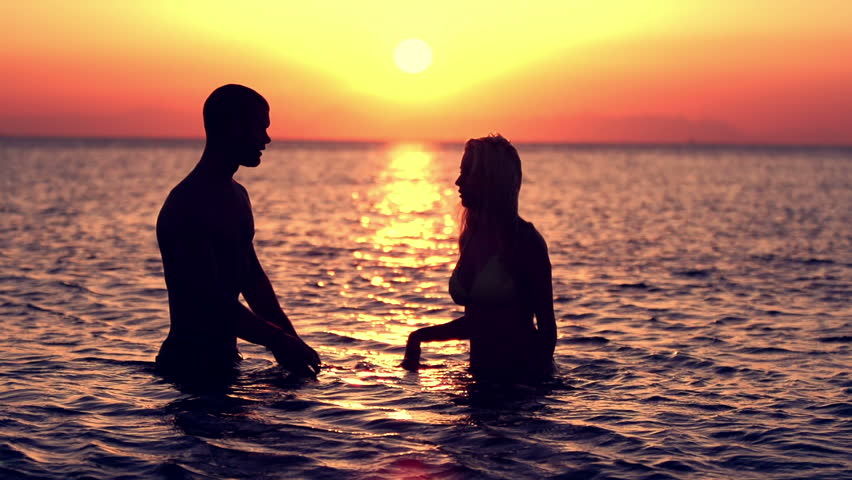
(295, 355)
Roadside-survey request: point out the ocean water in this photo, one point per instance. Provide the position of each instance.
(702, 297)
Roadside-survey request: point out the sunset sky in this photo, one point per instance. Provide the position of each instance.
(753, 71)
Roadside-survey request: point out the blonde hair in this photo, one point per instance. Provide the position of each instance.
(495, 163)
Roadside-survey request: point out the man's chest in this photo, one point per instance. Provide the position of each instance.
(230, 222)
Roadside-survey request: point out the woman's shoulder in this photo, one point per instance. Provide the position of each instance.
(530, 235)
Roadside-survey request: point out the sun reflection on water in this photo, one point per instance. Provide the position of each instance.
(405, 252)
(408, 224)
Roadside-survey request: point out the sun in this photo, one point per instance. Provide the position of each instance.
(413, 55)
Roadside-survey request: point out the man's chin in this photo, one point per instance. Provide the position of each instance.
(251, 162)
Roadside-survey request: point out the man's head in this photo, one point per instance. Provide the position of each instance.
(235, 120)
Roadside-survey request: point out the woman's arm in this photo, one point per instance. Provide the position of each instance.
(541, 283)
(457, 329)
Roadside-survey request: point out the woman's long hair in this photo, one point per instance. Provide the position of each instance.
(496, 167)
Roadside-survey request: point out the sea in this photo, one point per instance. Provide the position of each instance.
(703, 296)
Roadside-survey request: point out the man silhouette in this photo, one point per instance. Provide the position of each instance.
(205, 231)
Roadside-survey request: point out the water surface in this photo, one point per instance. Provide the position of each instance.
(702, 297)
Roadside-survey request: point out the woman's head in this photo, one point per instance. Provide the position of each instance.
(489, 183)
(490, 177)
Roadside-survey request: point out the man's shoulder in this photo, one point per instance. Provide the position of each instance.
(240, 188)
(178, 200)
(190, 193)
(181, 209)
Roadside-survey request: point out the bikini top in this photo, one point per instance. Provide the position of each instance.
(492, 285)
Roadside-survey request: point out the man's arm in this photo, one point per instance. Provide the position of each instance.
(260, 296)
(289, 351)
(197, 289)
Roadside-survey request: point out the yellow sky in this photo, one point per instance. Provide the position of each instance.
(775, 71)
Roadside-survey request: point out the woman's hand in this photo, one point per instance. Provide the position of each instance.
(411, 361)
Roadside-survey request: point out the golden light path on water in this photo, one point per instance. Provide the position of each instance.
(408, 226)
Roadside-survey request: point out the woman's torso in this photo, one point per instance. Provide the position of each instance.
(493, 289)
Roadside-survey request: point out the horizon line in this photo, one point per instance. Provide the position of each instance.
(317, 140)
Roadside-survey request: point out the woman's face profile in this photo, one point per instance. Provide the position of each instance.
(469, 184)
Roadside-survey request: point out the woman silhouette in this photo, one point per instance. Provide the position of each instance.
(502, 277)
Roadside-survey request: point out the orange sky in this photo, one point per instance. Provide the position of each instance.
(754, 71)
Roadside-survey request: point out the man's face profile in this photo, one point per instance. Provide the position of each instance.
(235, 120)
(250, 137)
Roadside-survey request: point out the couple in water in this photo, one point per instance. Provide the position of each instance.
(205, 232)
